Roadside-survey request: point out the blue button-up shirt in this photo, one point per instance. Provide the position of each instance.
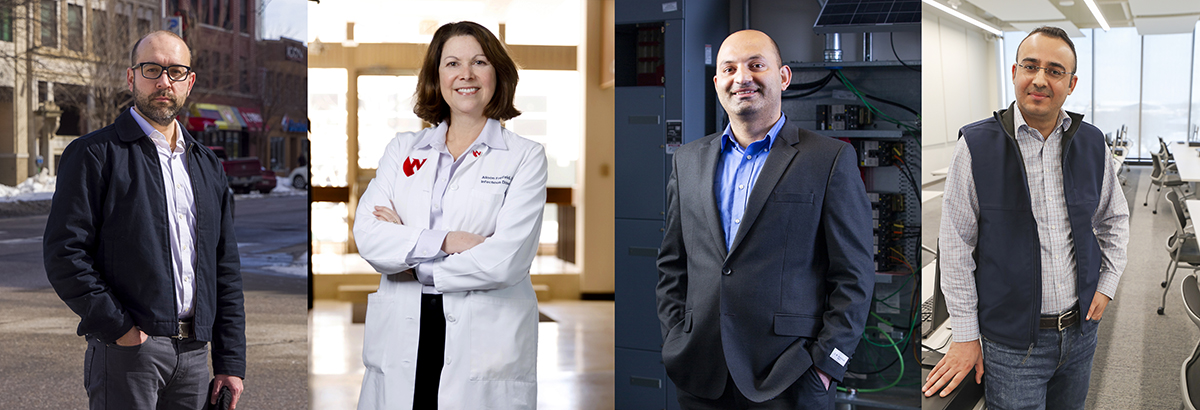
(736, 173)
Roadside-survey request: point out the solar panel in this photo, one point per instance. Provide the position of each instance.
(855, 16)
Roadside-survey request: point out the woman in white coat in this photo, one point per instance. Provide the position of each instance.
(452, 221)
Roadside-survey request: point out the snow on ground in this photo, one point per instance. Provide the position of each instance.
(41, 188)
(276, 264)
(282, 188)
(36, 188)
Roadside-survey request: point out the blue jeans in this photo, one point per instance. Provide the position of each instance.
(1053, 374)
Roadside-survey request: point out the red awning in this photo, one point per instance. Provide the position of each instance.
(252, 118)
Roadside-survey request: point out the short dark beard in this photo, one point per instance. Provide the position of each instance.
(161, 116)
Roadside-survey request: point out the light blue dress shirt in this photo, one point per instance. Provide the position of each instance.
(736, 172)
(429, 244)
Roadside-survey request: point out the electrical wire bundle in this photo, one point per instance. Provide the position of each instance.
(895, 345)
(810, 87)
(863, 97)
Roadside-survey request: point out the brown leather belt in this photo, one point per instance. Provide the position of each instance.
(1060, 321)
(186, 330)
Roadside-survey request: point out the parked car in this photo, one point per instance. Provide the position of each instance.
(244, 173)
(299, 177)
(268, 181)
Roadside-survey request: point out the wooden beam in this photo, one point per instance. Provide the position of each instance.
(330, 194)
(561, 196)
(406, 56)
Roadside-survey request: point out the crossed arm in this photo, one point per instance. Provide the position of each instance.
(467, 261)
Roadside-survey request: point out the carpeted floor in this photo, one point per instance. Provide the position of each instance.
(1139, 354)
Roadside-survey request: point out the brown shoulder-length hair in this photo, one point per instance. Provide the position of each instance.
(431, 107)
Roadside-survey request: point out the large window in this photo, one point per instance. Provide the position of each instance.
(213, 17)
(328, 167)
(551, 105)
(327, 110)
(49, 23)
(215, 70)
(1118, 86)
(123, 29)
(99, 28)
(1194, 123)
(75, 27)
(243, 75)
(6, 19)
(385, 107)
(1166, 64)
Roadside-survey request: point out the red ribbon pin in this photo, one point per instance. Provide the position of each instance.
(412, 165)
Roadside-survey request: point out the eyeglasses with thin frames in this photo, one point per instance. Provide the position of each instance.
(1053, 74)
(152, 71)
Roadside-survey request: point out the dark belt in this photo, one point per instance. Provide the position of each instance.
(1060, 321)
(186, 330)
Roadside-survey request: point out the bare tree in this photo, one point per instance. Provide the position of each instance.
(63, 46)
(104, 70)
(283, 89)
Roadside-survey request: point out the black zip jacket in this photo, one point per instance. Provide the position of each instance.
(107, 246)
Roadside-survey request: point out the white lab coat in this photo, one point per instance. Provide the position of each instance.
(490, 306)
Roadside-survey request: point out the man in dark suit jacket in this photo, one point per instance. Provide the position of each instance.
(765, 270)
(140, 244)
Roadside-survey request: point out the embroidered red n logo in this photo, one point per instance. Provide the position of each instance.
(412, 165)
(476, 153)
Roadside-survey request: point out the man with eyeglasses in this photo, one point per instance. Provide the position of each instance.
(140, 244)
(1033, 235)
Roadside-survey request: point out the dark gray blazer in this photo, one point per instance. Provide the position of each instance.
(795, 289)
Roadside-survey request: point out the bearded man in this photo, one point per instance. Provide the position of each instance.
(140, 244)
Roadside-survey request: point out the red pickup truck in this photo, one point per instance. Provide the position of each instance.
(243, 173)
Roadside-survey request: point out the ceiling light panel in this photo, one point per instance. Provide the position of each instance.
(1023, 10)
(1166, 25)
(1066, 25)
(1142, 8)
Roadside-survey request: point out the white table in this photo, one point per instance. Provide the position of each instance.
(927, 196)
(1193, 206)
(1187, 160)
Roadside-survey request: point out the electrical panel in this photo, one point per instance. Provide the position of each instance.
(839, 117)
(887, 217)
(873, 153)
(664, 98)
(886, 142)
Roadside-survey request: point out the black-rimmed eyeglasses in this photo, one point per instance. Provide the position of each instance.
(152, 71)
(1050, 72)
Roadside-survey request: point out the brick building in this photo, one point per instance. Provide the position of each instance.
(61, 74)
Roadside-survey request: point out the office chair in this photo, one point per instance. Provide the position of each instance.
(1189, 372)
(1117, 147)
(1165, 152)
(1182, 246)
(1162, 175)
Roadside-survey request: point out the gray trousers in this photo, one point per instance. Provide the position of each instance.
(162, 373)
